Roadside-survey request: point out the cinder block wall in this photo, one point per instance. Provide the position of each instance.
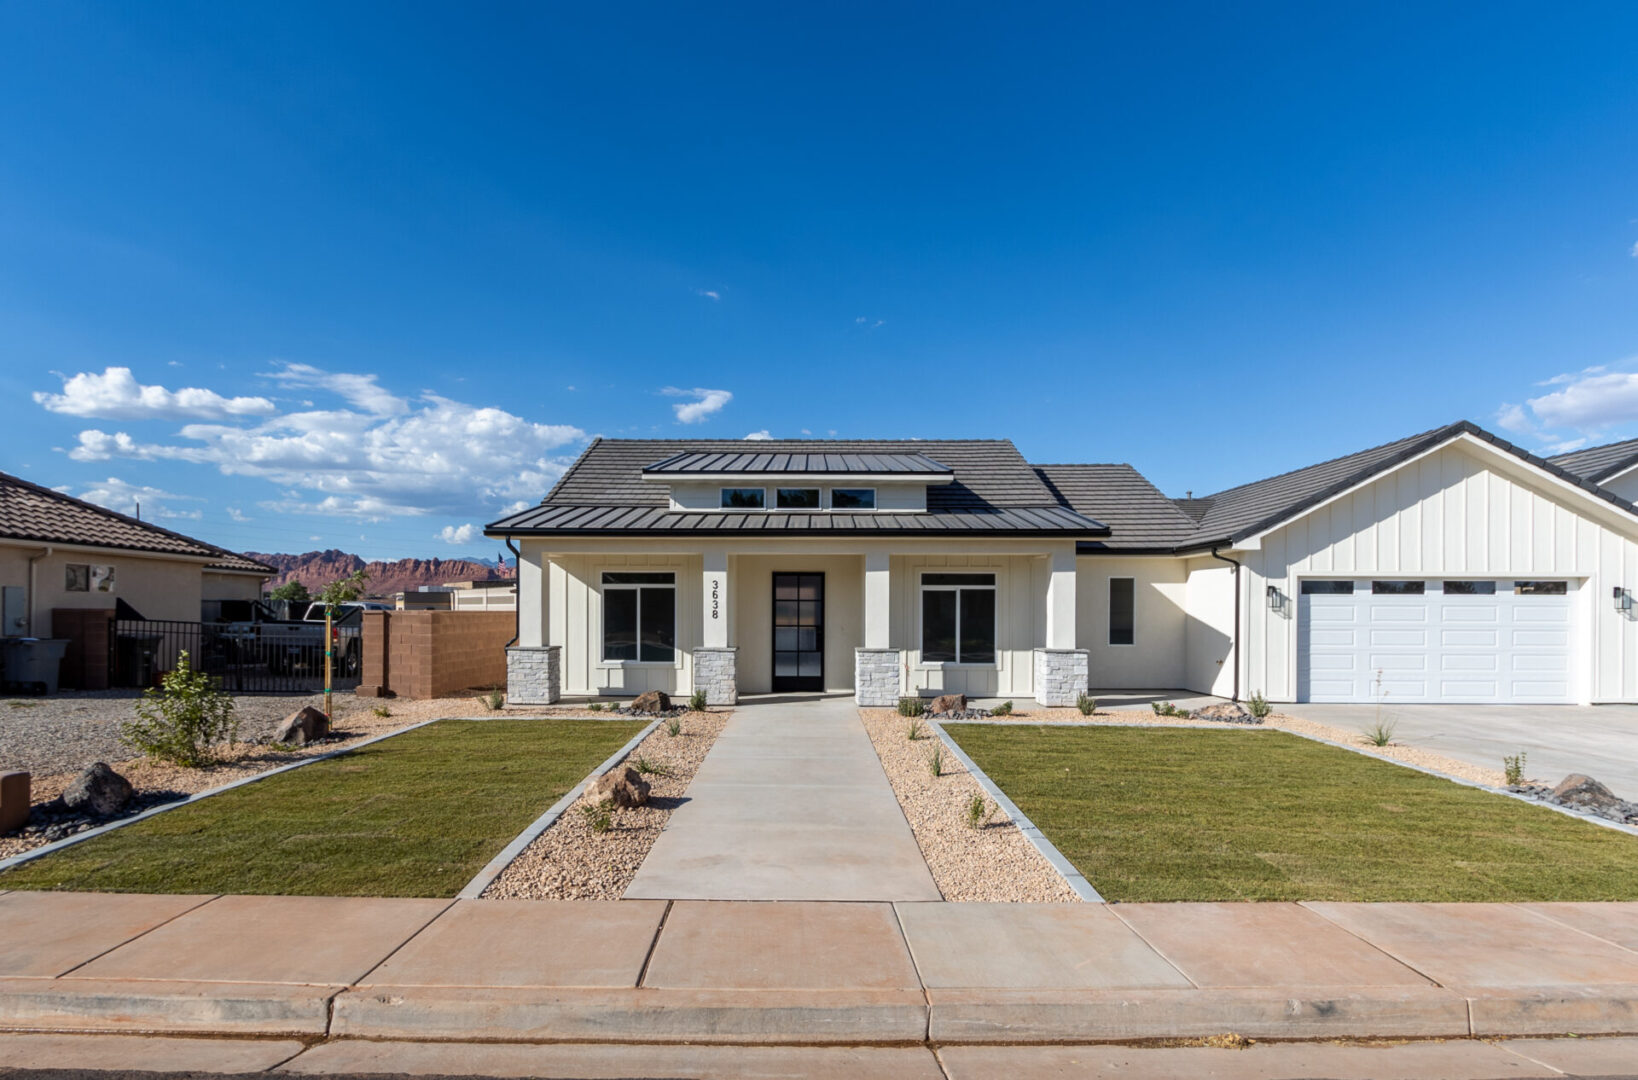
(426, 654)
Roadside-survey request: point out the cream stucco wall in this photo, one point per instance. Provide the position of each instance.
(751, 580)
(1157, 658)
(157, 587)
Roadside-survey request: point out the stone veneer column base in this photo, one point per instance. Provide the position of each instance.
(534, 675)
(1061, 676)
(875, 677)
(716, 671)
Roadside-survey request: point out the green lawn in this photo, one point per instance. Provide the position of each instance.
(414, 815)
(1178, 814)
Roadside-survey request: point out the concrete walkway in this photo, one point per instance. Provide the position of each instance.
(790, 804)
(906, 974)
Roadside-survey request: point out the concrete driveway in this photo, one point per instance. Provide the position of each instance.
(1600, 740)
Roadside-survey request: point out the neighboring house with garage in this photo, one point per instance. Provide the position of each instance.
(61, 554)
(1447, 566)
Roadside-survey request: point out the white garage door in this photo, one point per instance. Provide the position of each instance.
(1435, 641)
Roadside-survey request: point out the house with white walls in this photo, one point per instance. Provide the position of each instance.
(1449, 566)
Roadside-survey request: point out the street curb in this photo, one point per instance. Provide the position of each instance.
(492, 870)
(70, 841)
(1066, 870)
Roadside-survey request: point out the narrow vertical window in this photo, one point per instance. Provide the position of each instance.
(1122, 611)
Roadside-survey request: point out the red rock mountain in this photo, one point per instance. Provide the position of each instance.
(316, 569)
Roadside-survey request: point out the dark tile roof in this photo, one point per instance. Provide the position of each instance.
(1138, 515)
(31, 512)
(1599, 463)
(993, 489)
(713, 462)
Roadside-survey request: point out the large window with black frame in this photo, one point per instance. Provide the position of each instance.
(640, 617)
(957, 618)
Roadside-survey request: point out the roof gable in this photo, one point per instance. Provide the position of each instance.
(1600, 463)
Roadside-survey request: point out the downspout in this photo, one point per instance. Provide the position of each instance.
(517, 607)
(28, 606)
(1234, 635)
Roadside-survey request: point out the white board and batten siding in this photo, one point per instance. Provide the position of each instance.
(1461, 512)
(1020, 615)
(575, 623)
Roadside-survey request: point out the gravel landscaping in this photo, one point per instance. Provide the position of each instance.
(993, 862)
(571, 861)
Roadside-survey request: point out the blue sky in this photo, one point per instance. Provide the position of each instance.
(362, 276)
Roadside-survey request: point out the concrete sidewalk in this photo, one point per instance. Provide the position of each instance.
(790, 804)
(842, 974)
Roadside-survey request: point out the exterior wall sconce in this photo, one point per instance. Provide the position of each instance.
(1623, 600)
(1276, 599)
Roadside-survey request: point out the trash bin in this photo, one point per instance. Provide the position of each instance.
(31, 664)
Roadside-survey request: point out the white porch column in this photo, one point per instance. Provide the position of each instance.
(533, 668)
(876, 664)
(716, 663)
(1062, 671)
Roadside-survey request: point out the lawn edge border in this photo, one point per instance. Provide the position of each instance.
(493, 869)
(1048, 851)
(70, 841)
(1570, 812)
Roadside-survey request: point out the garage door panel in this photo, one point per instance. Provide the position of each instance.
(1489, 644)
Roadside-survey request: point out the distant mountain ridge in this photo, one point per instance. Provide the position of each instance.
(316, 569)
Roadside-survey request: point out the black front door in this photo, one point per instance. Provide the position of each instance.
(799, 632)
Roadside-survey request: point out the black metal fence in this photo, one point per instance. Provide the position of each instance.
(247, 658)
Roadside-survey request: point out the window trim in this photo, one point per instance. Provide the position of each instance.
(722, 493)
(1109, 630)
(921, 637)
(603, 662)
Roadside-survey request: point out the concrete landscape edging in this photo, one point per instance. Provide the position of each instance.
(492, 870)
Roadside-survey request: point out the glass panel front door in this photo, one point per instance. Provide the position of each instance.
(799, 631)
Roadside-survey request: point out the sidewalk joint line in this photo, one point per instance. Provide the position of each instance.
(140, 935)
(653, 944)
(915, 965)
(419, 930)
(1115, 909)
(1542, 915)
(1383, 949)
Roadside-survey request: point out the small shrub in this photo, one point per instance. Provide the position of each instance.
(696, 701)
(913, 731)
(1167, 708)
(183, 720)
(911, 706)
(382, 711)
(978, 812)
(599, 815)
(1087, 704)
(596, 706)
(1258, 706)
(1003, 709)
(494, 700)
(1159, 707)
(1380, 733)
(935, 760)
(1513, 767)
(646, 767)
(673, 726)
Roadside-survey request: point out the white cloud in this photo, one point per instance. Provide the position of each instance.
(709, 294)
(116, 395)
(758, 436)
(1590, 401)
(867, 322)
(125, 498)
(704, 404)
(237, 514)
(1634, 251)
(464, 534)
(360, 391)
(429, 456)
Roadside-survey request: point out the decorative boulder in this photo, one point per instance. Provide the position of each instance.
(99, 791)
(949, 703)
(307, 726)
(1226, 713)
(622, 784)
(653, 701)
(1579, 790)
(14, 800)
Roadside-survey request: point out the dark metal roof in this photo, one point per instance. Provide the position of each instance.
(1599, 463)
(39, 514)
(714, 462)
(1138, 515)
(991, 488)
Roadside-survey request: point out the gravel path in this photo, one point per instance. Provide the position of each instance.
(571, 862)
(991, 863)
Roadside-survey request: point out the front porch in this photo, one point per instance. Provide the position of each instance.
(991, 620)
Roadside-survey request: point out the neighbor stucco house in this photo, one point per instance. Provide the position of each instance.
(1447, 566)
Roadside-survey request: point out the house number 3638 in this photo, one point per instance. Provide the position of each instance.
(716, 606)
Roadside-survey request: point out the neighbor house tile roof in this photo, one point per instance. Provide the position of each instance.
(40, 515)
(1138, 515)
(1599, 463)
(992, 489)
(707, 463)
